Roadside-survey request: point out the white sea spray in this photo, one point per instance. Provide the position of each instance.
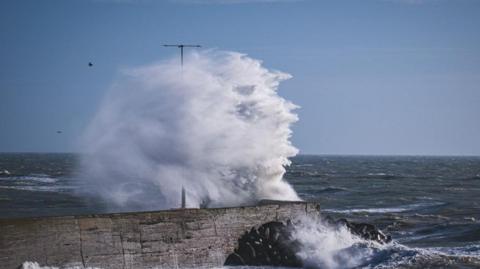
(329, 246)
(217, 128)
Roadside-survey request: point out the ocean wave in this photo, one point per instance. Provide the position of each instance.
(327, 189)
(39, 188)
(326, 247)
(43, 178)
(465, 251)
(306, 174)
(296, 172)
(475, 177)
(331, 189)
(303, 165)
(400, 256)
(381, 175)
(385, 209)
(431, 216)
(391, 176)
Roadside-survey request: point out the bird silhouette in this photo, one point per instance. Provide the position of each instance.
(90, 64)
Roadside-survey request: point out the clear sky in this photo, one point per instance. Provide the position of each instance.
(371, 76)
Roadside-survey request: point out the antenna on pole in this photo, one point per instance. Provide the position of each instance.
(181, 46)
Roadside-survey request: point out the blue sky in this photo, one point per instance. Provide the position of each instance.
(371, 76)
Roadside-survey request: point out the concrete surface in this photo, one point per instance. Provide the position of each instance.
(184, 238)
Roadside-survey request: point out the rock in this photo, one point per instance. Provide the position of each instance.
(366, 231)
(270, 244)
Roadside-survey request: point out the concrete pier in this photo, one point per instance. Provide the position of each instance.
(184, 238)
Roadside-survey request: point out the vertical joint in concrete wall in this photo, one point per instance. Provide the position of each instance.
(81, 243)
(123, 251)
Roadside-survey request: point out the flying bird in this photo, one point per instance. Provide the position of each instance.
(90, 64)
(59, 132)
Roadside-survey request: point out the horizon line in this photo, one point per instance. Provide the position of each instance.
(300, 154)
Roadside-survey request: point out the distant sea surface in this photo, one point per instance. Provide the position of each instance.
(430, 203)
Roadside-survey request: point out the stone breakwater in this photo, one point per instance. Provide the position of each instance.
(184, 238)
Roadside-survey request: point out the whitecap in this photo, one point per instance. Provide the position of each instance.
(39, 188)
(33, 177)
(472, 251)
(384, 209)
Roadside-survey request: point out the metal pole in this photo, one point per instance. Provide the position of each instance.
(181, 46)
(184, 198)
(181, 54)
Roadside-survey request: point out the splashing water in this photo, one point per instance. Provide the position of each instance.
(326, 246)
(218, 128)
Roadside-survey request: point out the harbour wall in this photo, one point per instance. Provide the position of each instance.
(182, 238)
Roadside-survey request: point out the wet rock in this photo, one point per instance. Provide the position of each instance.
(270, 244)
(366, 231)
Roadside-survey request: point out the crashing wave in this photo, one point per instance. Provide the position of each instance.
(216, 127)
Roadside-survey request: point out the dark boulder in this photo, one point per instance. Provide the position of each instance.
(270, 244)
(365, 231)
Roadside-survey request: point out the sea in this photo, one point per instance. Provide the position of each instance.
(429, 205)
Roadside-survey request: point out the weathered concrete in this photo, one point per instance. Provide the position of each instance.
(187, 238)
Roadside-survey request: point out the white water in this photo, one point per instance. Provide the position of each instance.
(385, 209)
(218, 128)
(34, 177)
(331, 247)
